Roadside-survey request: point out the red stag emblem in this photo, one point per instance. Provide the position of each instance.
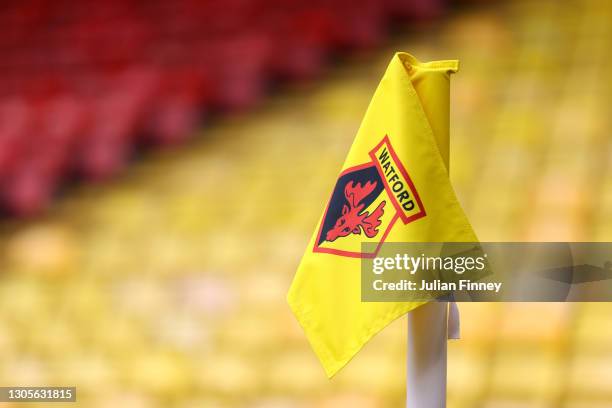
(353, 220)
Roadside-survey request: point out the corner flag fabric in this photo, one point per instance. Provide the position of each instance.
(393, 187)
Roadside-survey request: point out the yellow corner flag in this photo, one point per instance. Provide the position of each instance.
(393, 187)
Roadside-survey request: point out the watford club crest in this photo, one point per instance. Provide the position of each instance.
(367, 201)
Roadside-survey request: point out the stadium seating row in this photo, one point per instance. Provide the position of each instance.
(83, 85)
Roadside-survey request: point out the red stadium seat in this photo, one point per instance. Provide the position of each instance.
(84, 84)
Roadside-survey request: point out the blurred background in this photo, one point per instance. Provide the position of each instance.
(163, 164)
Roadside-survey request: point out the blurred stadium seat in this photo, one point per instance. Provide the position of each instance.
(87, 83)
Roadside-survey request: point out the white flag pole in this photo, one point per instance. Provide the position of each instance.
(427, 353)
(429, 325)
